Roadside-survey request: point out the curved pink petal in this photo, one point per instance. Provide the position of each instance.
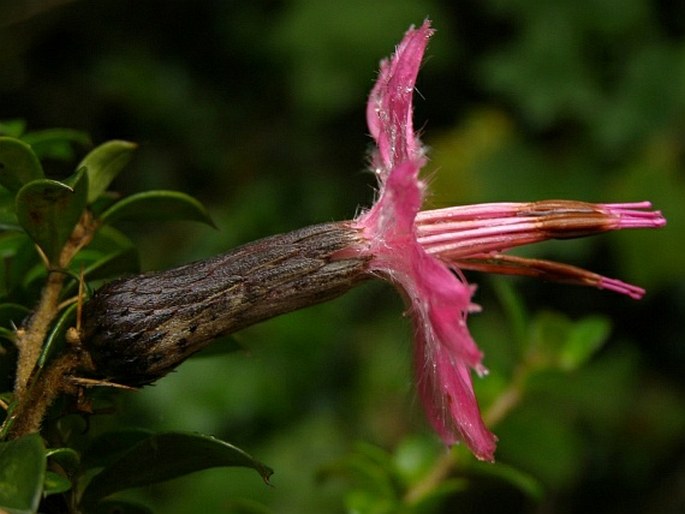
(389, 109)
(439, 299)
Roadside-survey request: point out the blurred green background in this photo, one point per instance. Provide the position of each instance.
(257, 108)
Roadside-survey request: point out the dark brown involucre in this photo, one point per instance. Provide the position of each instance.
(139, 328)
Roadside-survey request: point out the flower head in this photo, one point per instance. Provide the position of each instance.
(423, 253)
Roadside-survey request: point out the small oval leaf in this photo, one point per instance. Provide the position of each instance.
(104, 163)
(548, 332)
(49, 210)
(22, 473)
(56, 143)
(68, 458)
(587, 336)
(18, 264)
(158, 206)
(163, 457)
(55, 484)
(18, 164)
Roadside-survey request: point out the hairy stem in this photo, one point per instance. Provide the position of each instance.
(30, 340)
(33, 392)
(28, 414)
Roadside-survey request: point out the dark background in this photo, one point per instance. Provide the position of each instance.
(257, 108)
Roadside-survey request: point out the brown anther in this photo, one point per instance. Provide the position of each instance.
(566, 219)
(551, 207)
(538, 268)
(570, 225)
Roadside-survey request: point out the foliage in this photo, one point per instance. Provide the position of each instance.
(60, 218)
(257, 108)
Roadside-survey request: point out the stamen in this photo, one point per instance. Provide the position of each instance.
(464, 230)
(547, 270)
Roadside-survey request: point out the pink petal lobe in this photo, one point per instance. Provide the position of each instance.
(439, 298)
(439, 302)
(445, 387)
(444, 353)
(389, 109)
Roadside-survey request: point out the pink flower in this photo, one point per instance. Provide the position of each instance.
(422, 252)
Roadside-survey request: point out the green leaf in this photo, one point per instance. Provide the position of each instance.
(56, 143)
(55, 483)
(587, 336)
(163, 457)
(548, 450)
(158, 206)
(125, 261)
(415, 457)
(104, 163)
(549, 331)
(18, 164)
(8, 221)
(19, 255)
(34, 278)
(110, 446)
(8, 218)
(49, 210)
(104, 202)
(67, 458)
(98, 267)
(372, 471)
(22, 473)
(108, 239)
(12, 128)
(11, 242)
(558, 342)
(513, 307)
